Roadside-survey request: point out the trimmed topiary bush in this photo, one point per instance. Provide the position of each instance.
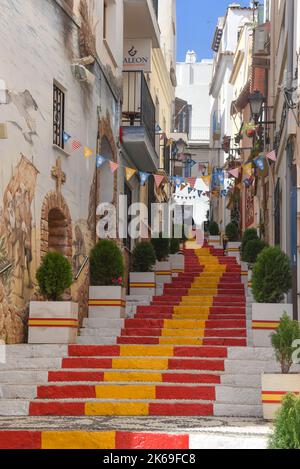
(286, 434)
(272, 276)
(54, 276)
(252, 249)
(106, 264)
(232, 232)
(249, 235)
(174, 246)
(213, 229)
(283, 340)
(161, 247)
(143, 257)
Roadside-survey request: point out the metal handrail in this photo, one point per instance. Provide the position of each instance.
(6, 268)
(85, 262)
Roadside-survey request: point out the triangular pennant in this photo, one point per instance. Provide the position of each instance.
(234, 172)
(66, 137)
(200, 193)
(87, 152)
(206, 180)
(100, 160)
(191, 181)
(190, 190)
(247, 169)
(158, 179)
(113, 166)
(272, 156)
(129, 173)
(157, 129)
(76, 145)
(144, 177)
(260, 162)
(182, 187)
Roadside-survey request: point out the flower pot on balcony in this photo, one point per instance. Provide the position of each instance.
(107, 301)
(142, 283)
(265, 320)
(52, 322)
(177, 264)
(214, 241)
(274, 388)
(163, 275)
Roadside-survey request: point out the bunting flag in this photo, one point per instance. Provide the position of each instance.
(87, 152)
(76, 145)
(247, 169)
(100, 160)
(223, 193)
(248, 181)
(169, 142)
(260, 163)
(158, 129)
(182, 187)
(143, 177)
(200, 193)
(178, 180)
(206, 180)
(163, 136)
(129, 173)
(113, 166)
(191, 181)
(201, 168)
(192, 163)
(158, 179)
(66, 137)
(272, 156)
(235, 173)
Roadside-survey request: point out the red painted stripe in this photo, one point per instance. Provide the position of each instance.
(200, 352)
(225, 342)
(145, 323)
(141, 332)
(20, 439)
(225, 333)
(87, 363)
(138, 340)
(177, 364)
(191, 378)
(57, 408)
(94, 350)
(65, 376)
(66, 392)
(187, 410)
(184, 392)
(127, 440)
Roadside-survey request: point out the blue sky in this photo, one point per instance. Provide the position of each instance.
(196, 22)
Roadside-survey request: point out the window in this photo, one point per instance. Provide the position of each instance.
(58, 116)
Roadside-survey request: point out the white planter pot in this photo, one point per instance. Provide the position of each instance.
(53, 322)
(274, 388)
(214, 241)
(163, 275)
(142, 283)
(233, 249)
(177, 264)
(109, 302)
(265, 320)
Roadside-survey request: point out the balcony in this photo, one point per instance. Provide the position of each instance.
(140, 20)
(138, 121)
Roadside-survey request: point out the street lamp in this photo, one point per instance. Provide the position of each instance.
(256, 101)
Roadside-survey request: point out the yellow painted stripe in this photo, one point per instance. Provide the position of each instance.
(116, 408)
(181, 341)
(139, 364)
(78, 440)
(190, 309)
(265, 325)
(145, 350)
(192, 316)
(133, 377)
(53, 322)
(125, 392)
(167, 272)
(198, 301)
(142, 285)
(182, 333)
(183, 324)
(107, 302)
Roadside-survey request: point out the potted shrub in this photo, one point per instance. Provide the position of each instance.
(107, 292)
(176, 257)
(271, 280)
(252, 249)
(163, 273)
(53, 321)
(214, 234)
(285, 342)
(233, 245)
(286, 432)
(249, 235)
(142, 277)
(249, 129)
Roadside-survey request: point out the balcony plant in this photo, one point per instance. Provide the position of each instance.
(107, 292)
(286, 431)
(285, 341)
(249, 129)
(142, 276)
(54, 320)
(163, 269)
(271, 280)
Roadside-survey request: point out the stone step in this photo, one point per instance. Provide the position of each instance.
(20, 363)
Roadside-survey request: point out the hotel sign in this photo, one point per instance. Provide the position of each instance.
(137, 55)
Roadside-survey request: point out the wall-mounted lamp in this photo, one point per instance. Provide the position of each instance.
(256, 101)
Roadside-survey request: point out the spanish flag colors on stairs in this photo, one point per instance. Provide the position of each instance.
(168, 358)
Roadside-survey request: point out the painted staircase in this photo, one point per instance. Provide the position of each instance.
(185, 354)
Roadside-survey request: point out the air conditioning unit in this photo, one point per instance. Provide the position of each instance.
(82, 74)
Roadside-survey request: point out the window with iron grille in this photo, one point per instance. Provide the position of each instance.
(58, 116)
(277, 214)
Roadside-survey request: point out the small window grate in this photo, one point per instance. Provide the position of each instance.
(58, 116)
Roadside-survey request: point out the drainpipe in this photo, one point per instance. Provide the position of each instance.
(291, 172)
